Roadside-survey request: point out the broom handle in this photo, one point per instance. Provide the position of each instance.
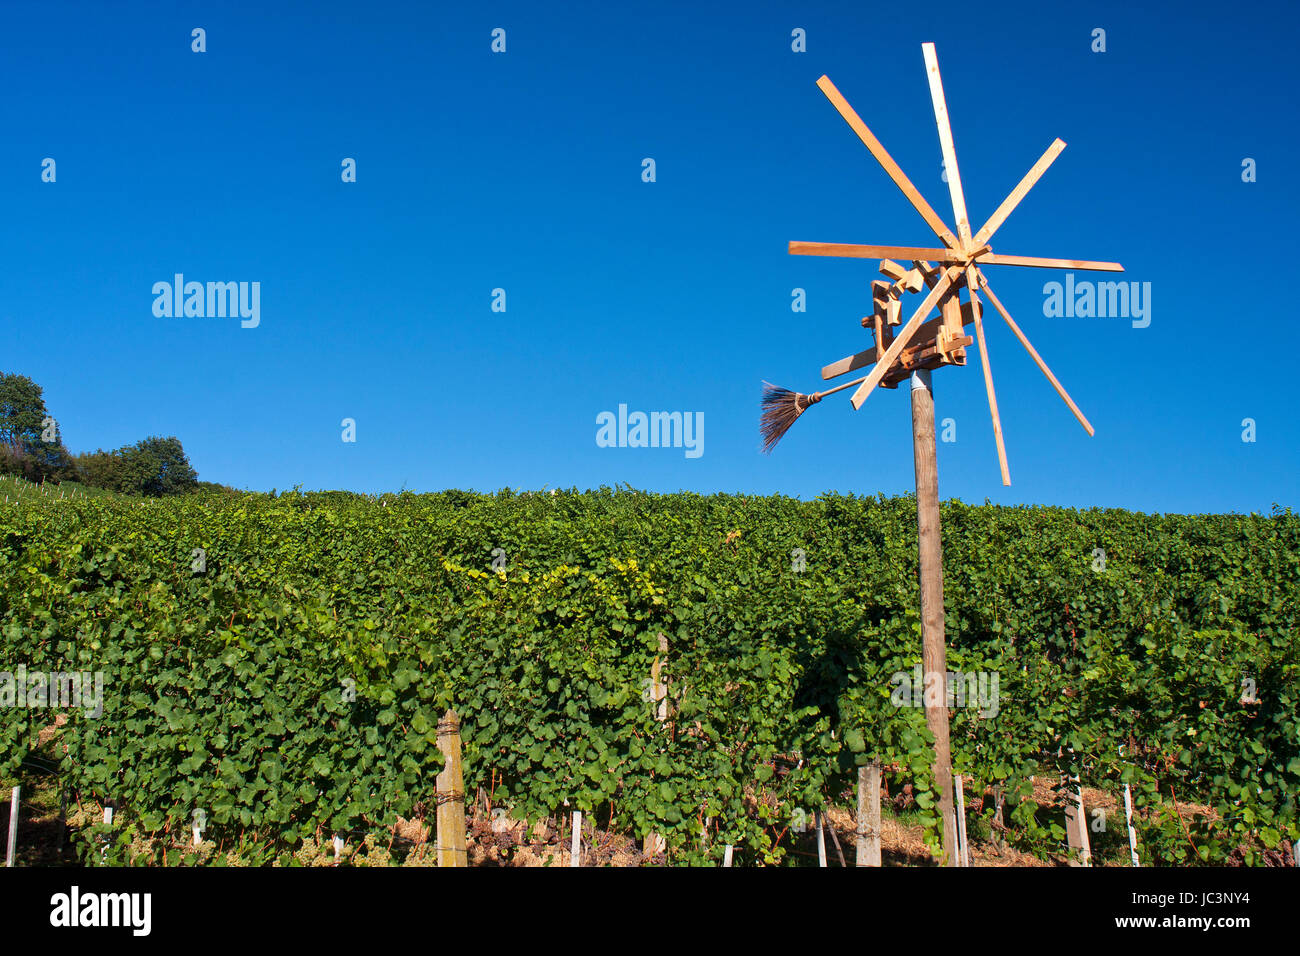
(840, 388)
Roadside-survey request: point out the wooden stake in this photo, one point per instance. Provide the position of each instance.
(12, 844)
(1076, 828)
(869, 814)
(839, 850)
(451, 795)
(1083, 826)
(933, 654)
(726, 855)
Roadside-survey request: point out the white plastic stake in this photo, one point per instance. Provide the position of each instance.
(964, 848)
(726, 856)
(12, 845)
(108, 821)
(821, 839)
(575, 844)
(338, 848)
(1132, 834)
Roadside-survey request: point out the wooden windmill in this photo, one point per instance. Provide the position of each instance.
(911, 349)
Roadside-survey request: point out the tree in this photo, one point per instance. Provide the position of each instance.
(23, 432)
(155, 467)
(22, 411)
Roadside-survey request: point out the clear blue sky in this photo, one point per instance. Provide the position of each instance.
(522, 171)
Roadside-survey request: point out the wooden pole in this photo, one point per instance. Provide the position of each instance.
(839, 850)
(868, 851)
(451, 795)
(933, 654)
(1076, 826)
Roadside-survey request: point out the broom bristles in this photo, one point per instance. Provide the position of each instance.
(781, 409)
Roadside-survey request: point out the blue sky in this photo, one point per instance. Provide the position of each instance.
(522, 171)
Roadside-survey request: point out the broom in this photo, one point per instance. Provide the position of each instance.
(782, 408)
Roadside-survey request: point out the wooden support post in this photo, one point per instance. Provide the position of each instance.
(933, 654)
(1076, 828)
(12, 845)
(821, 839)
(451, 795)
(868, 850)
(575, 843)
(1132, 834)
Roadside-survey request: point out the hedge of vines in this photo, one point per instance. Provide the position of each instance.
(290, 683)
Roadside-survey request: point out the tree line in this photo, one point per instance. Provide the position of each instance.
(31, 448)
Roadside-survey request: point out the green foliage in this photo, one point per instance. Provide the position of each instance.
(227, 688)
(24, 452)
(152, 467)
(22, 410)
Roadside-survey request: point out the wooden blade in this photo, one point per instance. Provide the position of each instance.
(972, 283)
(945, 142)
(1042, 366)
(904, 334)
(853, 251)
(887, 162)
(990, 259)
(1013, 199)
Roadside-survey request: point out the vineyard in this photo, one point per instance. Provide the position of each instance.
(281, 663)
